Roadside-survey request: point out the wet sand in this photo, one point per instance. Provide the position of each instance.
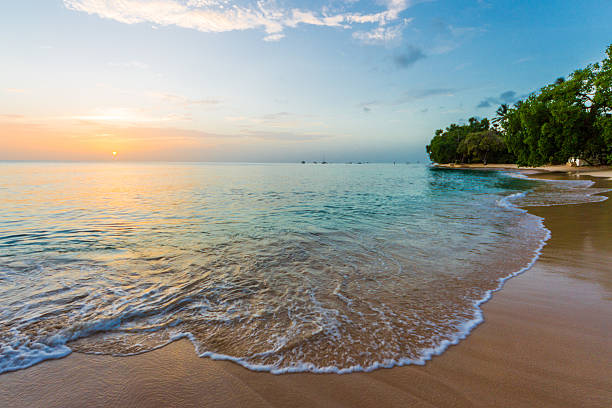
(598, 171)
(546, 342)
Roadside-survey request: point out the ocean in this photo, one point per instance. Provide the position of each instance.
(277, 267)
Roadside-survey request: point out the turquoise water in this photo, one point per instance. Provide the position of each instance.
(325, 268)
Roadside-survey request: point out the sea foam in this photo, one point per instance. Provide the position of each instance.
(277, 268)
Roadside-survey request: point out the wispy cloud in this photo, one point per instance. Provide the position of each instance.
(409, 57)
(462, 66)
(228, 15)
(523, 60)
(379, 35)
(449, 37)
(274, 37)
(276, 116)
(276, 120)
(185, 101)
(418, 94)
(508, 97)
(409, 96)
(128, 64)
(484, 4)
(127, 116)
(10, 116)
(284, 136)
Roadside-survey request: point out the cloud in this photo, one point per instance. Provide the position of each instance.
(448, 37)
(275, 121)
(379, 35)
(128, 64)
(276, 116)
(409, 96)
(182, 100)
(462, 66)
(230, 15)
(126, 116)
(11, 116)
(59, 139)
(523, 60)
(367, 106)
(424, 94)
(409, 57)
(274, 37)
(508, 97)
(283, 136)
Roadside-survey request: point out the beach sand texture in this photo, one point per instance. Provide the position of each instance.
(595, 171)
(546, 342)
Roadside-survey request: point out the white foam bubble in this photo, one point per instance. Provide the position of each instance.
(462, 332)
(16, 358)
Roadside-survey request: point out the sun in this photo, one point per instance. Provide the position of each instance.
(114, 154)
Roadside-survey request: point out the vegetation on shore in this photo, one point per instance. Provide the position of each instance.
(569, 118)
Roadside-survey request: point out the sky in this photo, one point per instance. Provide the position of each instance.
(273, 80)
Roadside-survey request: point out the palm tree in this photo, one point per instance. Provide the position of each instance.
(501, 112)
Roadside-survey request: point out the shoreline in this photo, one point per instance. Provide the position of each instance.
(593, 171)
(522, 355)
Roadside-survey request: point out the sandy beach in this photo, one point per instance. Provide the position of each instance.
(595, 171)
(546, 342)
(239, 203)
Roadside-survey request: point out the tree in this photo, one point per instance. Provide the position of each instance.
(602, 103)
(474, 141)
(572, 117)
(483, 145)
(443, 147)
(569, 118)
(501, 113)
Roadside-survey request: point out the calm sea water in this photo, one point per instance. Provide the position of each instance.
(326, 268)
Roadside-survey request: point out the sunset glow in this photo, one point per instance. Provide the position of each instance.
(277, 81)
(305, 203)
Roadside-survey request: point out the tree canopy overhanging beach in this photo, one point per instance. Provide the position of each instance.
(569, 118)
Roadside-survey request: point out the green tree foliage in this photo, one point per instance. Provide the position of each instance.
(472, 142)
(602, 103)
(569, 118)
(501, 113)
(483, 145)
